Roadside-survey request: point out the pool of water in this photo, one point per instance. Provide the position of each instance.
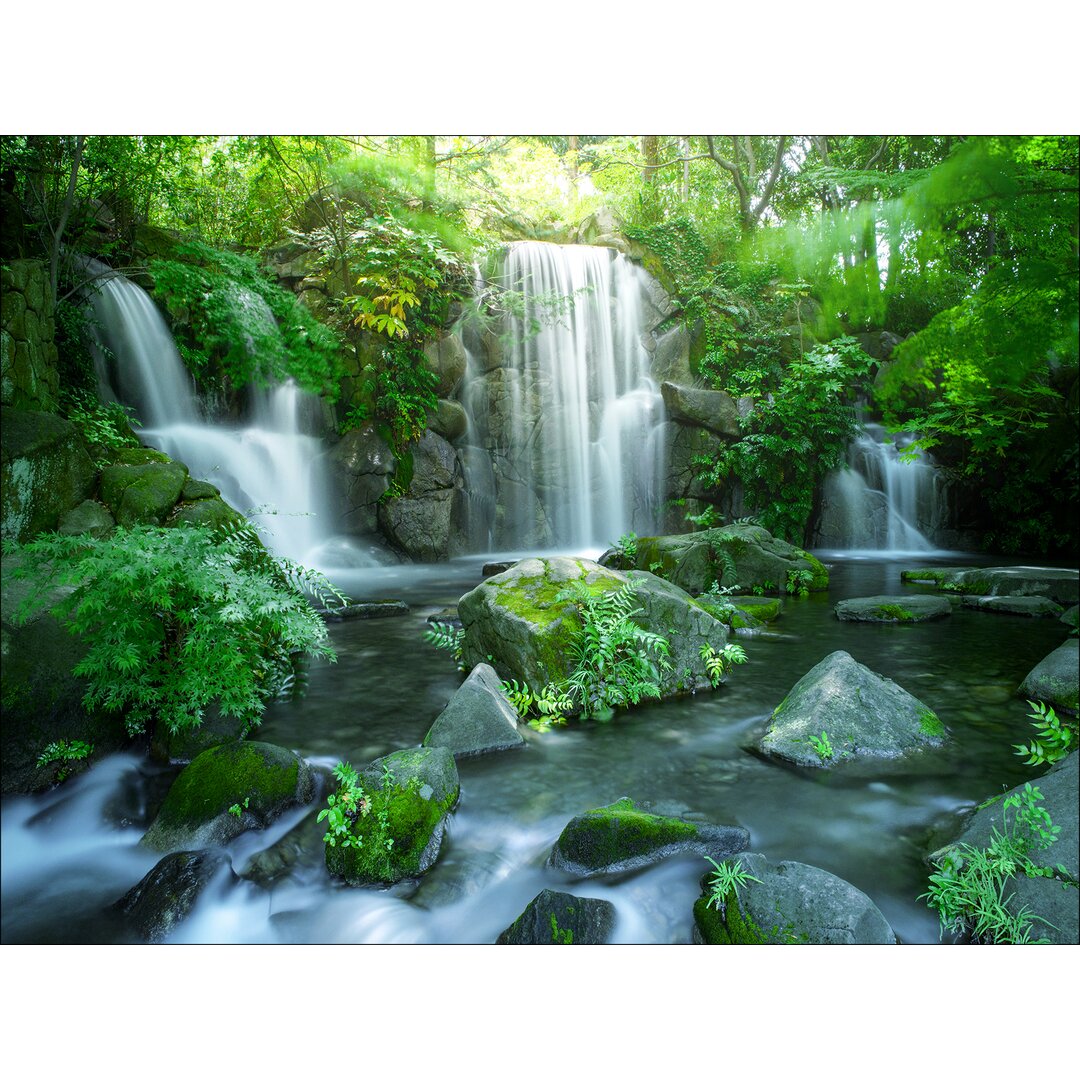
(68, 854)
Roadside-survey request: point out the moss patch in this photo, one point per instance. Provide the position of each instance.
(728, 926)
(930, 725)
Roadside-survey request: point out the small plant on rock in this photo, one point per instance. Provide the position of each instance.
(1054, 738)
(821, 746)
(62, 753)
(724, 883)
(717, 663)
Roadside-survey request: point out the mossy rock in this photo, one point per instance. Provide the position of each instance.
(140, 455)
(88, 517)
(410, 794)
(261, 779)
(198, 489)
(893, 609)
(558, 918)
(1032, 607)
(1056, 678)
(215, 513)
(620, 837)
(1061, 585)
(790, 903)
(142, 494)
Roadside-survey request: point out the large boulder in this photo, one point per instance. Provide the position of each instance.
(28, 357)
(450, 420)
(1034, 607)
(360, 467)
(418, 522)
(518, 619)
(862, 714)
(893, 609)
(790, 903)
(409, 794)
(478, 719)
(1053, 899)
(558, 918)
(89, 517)
(161, 901)
(712, 409)
(1059, 584)
(619, 838)
(44, 472)
(445, 358)
(1055, 678)
(694, 561)
(227, 790)
(143, 494)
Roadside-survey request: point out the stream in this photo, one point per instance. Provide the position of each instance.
(72, 852)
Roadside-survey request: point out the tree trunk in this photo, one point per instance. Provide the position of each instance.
(65, 213)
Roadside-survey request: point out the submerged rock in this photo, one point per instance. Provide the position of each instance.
(1055, 679)
(164, 898)
(620, 837)
(518, 619)
(261, 780)
(410, 795)
(747, 555)
(558, 918)
(861, 713)
(478, 719)
(1032, 606)
(893, 609)
(371, 609)
(1058, 584)
(790, 903)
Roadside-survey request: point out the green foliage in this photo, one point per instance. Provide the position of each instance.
(237, 809)
(799, 582)
(399, 391)
(343, 807)
(822, 747)
(104, 426)
(1054, 737)
(62, 752)
(724, 884)
(239, 326)
(717, 663)
(550, 706)
(626, 547)
(794, 436)
(558, 936)
(446, 636)
(969, 890)
(178, 618)
(611, 653)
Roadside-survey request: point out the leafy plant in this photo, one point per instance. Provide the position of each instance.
(177, 618)
(104, 426)
(550, 706)
(1053, 739)
(626, 547)
(799, 582)
(724, 883)
(717, 663)
(611, 653)
(822, 747)
(343, 807)
(62, 752)
(237, 809)
(969, 889)
(446, 636)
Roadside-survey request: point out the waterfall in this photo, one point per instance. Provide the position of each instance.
(564, 417)
(881, 502)
(268, 468)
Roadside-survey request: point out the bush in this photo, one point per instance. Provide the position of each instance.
(177, 619)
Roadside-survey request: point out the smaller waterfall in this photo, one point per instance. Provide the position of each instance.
(881, 502)
(268, 468)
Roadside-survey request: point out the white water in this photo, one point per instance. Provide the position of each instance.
(269, 469)
(880, 502)
(571, 419)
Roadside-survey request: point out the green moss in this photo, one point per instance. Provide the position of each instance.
(561, 937)
(227, 774)
(930, 725)
(894, 612)
(140, 456)
(821, 576)
(729, 926)
(613, 834)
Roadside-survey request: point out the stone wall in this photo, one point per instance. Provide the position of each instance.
(28, 358)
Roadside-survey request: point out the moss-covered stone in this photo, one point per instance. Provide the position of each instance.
(558, 918)
(1056, 678)
(142, 494)
(262, 779)
(88, 517)
(893, 609)
(214, 512)
(620, 837)
(198, 489)
(409, 796)
(1061, 585)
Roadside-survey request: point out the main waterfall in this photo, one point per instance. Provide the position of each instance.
(267, 468)
(565, 441)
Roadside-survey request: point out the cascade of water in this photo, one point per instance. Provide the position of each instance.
(270, 466)
(570, 418)
(881, 502)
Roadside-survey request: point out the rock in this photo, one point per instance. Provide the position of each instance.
(372, 609)
(478, 719)
(712, 409)
(685, 445)
(446, 359)
(749, 613)
(1072, 616)
(878, 344)
(893, 609)
(490, 569)
(413, 792)
(29, 378)
(450, 420)
(863, 714)
(44, 472)
(670, 361)
(1046, 897)
(164, 898)
(182, 747)
(791, 903)
(360, 467)
(693, 561)
(1058, 584)
(618, 838)
(214, 513)
(558, 918)
(88, 517)
(418, 523)
(1055, 679)
(517, 619)
(198, 489)
(262, 779)
(142, 494)
(1032, 606)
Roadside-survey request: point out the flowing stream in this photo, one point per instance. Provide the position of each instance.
(70, 853)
